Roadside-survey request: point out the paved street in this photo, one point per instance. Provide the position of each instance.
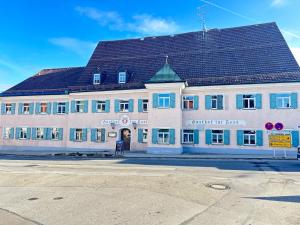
(148, 191)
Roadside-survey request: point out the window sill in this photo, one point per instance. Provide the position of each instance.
(249, 108)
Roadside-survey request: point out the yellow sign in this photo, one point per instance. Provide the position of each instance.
(280, 140)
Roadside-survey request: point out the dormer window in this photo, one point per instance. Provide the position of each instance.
(122, 78)
(97, 78)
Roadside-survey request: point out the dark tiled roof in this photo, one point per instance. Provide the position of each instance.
(241, 55)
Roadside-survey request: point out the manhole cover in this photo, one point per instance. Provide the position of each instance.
(218, 186)
(32, 199)
(58, 198)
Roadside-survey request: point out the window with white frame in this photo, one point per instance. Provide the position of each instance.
(8, 108)
(163, 136)
(249, 137)
(249, 101)
(122, 78)
(78, 135)
(6, 132)
(283, 102)
(55, 134)
(145, 135)
(100, 106)
(97, 78)
(40, 133)
(124, 106)
(44, 107)
(188, 102)
(164, 101)
(61, 108)
(188, 136)
(217, 102)
(79, 106)
(145, 105)
(98, 135)
(217, 137)
(26, 108)
(23, 133)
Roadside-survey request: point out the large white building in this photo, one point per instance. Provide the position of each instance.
(206, 91)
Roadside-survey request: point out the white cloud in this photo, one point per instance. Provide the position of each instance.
(278, 3)
(75, 45)
(141, 23)
(296, 52)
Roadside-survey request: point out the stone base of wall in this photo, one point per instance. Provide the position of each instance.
(164, 150)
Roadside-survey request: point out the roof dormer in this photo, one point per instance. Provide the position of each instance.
(122, 77)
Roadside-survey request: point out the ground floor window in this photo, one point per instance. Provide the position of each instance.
(7, 133)
(40, 133)
(163, 136)
(55, 134)
(98, 135)
(249, 137)
(145, 135)
(188, 136)
(217, 137)
(23, 133)
(78, 135)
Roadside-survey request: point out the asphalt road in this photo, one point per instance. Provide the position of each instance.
(36, 190)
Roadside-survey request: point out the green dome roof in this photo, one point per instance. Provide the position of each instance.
(165, 74)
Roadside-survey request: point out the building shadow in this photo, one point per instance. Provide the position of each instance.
(291, 198)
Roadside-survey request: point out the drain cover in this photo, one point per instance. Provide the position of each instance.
(218, 186)
(32, 199)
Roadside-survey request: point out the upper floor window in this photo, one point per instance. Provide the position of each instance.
(188, 102)
(164, 101)
(44, 107)
(61, 108)
(8, 108)
(217, 101)
(122, 78)
(248, 101)
(79, 106)
(284, 101)
(124, 106)
(97, 78)
(100, 106)
(26, 108)
(145, 105)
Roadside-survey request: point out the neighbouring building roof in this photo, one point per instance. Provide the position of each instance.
(241, 55)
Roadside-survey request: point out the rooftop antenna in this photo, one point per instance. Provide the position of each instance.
(201, 13)
(167, 59)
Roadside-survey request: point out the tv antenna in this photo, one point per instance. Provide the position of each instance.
(201, 13)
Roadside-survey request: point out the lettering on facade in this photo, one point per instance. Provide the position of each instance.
(124, 121)
(217, 122)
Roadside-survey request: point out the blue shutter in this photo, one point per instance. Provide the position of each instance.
(155, 100)
(86, 106)
(18, 130)
(33, 134)
(31, 108)
(131, 105)
(67, 107)
(13, 108)
(240, 137)
(11, 133)
(94, 106)
(28, 133)
(259, 138)
(84, 134)
(172, 136)
(220, 102)
(207, 102)
(295, 138)
(226, 137)
(49, 107)
(73, 106)
(208, 137)
(93, 134)
(196, 102)
(3, 108)
(107, 106)
(273, 101)
(258, 101)
(294, 100)
(117, 105)
(20, 108)
(140, 105)
(140, 135)
(172, 100)
(154, 136)
(47, 133)
(60, 134)
(196, 136)
(72, 134)
(103, 134)
(239, 101)
(37, 108)
(54, 108)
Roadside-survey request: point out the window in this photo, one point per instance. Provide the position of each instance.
(40, 133)
(23, 133)
(188, 136)
(8, 108)
(61, 108)
(44, 108)
(283, 102)
(55, 134)
(163, 136)
(6, 133)
(78, 135)
(217, 137)
(97, 78)
(188, 102)
(145, 135)
(217, 101)
(100, 106)
(249, 101)
(79, 106)
(164, 101)
(124, 106)
(98, 135)
(122, 77)
(145, 105)
(26, 108)
(249, 137)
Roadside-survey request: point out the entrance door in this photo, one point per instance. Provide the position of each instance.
(126, 136)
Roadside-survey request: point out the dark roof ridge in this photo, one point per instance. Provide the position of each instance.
(47, 71)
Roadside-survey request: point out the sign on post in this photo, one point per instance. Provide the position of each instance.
(280, 140)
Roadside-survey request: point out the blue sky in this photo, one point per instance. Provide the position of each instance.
(38, 34)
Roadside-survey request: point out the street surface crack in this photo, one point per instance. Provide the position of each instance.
(22, 217)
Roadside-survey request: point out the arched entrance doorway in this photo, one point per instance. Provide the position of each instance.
(126, 136)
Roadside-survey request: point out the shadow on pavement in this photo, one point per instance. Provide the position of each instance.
(292, 198)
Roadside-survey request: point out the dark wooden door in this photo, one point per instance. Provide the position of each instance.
(126, 136)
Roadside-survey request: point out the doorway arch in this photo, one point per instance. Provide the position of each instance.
(125, 135)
